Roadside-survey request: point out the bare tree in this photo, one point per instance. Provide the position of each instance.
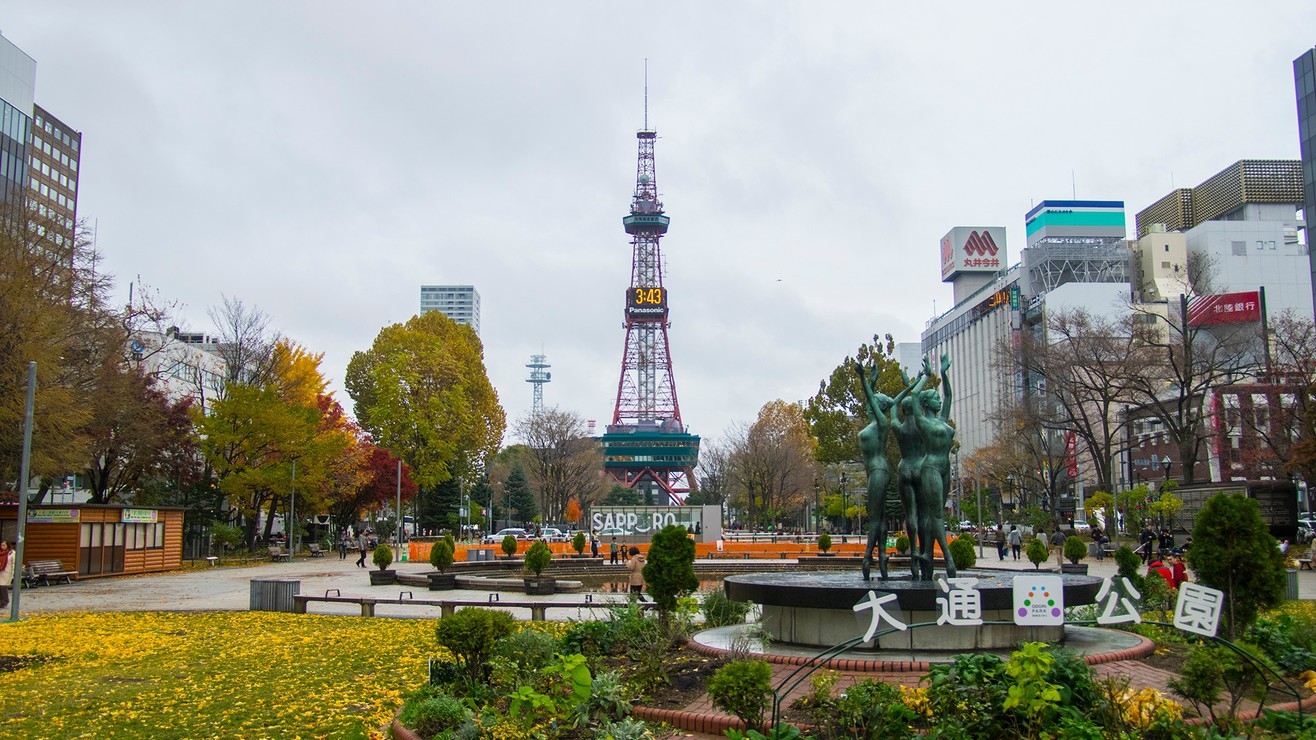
(562, 460)
(1083, 372)
(1286, 432)
(246, 343)
(1182, 364)
(714, 472)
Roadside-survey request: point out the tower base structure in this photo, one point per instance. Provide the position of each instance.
(656, 459)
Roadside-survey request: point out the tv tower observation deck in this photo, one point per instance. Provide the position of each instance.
(646, 447)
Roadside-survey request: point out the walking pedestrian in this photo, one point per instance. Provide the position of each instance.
(342, 547)
(594, 544)
(364, 545)
(1058, 544)
(612, 551)
(1016, 540)
(636, 567)
(1000, 543)
(7, 558)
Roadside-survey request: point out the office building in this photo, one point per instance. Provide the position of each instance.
(53, 168)
(18, 79)
(461, 303)
(1244, 222)
(1304, 81)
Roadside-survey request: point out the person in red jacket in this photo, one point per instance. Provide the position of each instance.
(1179, 570)
(1156, 567)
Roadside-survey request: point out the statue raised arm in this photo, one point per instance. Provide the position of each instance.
(872, 445)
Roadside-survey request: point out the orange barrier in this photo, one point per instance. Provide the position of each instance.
(420, 551)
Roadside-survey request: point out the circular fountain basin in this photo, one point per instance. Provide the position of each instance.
(816, 609)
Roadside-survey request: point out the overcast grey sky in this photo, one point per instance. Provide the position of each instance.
(322, 160)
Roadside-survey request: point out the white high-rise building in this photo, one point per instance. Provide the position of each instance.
(461, 303)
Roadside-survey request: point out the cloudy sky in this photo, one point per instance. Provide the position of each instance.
(322, 160)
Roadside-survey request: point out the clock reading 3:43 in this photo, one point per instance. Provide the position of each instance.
(646, 301)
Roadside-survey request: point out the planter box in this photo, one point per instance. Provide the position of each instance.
(540, 586)
(826, 554)
(383, 577)
(442, 581)
(1075, 568)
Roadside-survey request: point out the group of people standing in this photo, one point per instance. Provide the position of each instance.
(921, 421)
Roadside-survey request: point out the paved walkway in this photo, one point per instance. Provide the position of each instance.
(229, 588)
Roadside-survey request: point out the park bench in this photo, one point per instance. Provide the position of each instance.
(278, 553)
(316, 552)
(47, 572)
(1303, 563)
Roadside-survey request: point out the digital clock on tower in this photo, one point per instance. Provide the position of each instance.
(651, 302)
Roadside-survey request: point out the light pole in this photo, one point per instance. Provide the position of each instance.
(399, 511)
(292, 511)
(845, 509)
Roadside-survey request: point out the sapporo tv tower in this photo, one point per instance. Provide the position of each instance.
(646, 448)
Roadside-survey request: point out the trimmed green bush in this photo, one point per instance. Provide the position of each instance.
(824, 542)
(441, 555)
(902, 544)
(383, 556)
(1037, 552)
(538, 557)
(719, 611)
(1234, 552)
(961, 551)
(1075, 549)
(434, 715)
(670, 571)
(743, 688)
(471, 634)
(578, 543)
(509, 546)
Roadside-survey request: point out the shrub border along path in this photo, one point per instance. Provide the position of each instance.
(702, 717)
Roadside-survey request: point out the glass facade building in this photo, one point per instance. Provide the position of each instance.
(18, 77)
(1304, 82)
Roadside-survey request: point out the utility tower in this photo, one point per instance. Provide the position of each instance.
(539, 375)
(646, 447)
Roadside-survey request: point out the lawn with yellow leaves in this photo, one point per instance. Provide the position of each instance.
(209, 675)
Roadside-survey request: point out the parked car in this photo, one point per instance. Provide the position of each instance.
(498, 536)
(553, 534)
(612, 532)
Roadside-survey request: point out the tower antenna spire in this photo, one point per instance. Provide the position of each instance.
(646, 94)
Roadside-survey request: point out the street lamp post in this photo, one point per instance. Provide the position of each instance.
(292, 510)
(845, 509)
(816, 521)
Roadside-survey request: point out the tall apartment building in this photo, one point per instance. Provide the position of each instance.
(461, 303)
(1304, 81)
(53, 168)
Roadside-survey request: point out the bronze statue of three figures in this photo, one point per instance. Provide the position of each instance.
(921, 421)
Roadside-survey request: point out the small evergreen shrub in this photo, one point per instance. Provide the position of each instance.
(591, 639)
(743, 688)
(471, 634)
(434, 715)
(874, 709)
(509, 546)
(670, 571)
(824, 542)
(719, 611)
(441, 555)
(578, 543)
(1037, 552)
(902, 544)
(538, 557)
(1075, 549)
(383, 556)
(961, 551)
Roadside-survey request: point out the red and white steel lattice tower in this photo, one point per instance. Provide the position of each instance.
(646, 391)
